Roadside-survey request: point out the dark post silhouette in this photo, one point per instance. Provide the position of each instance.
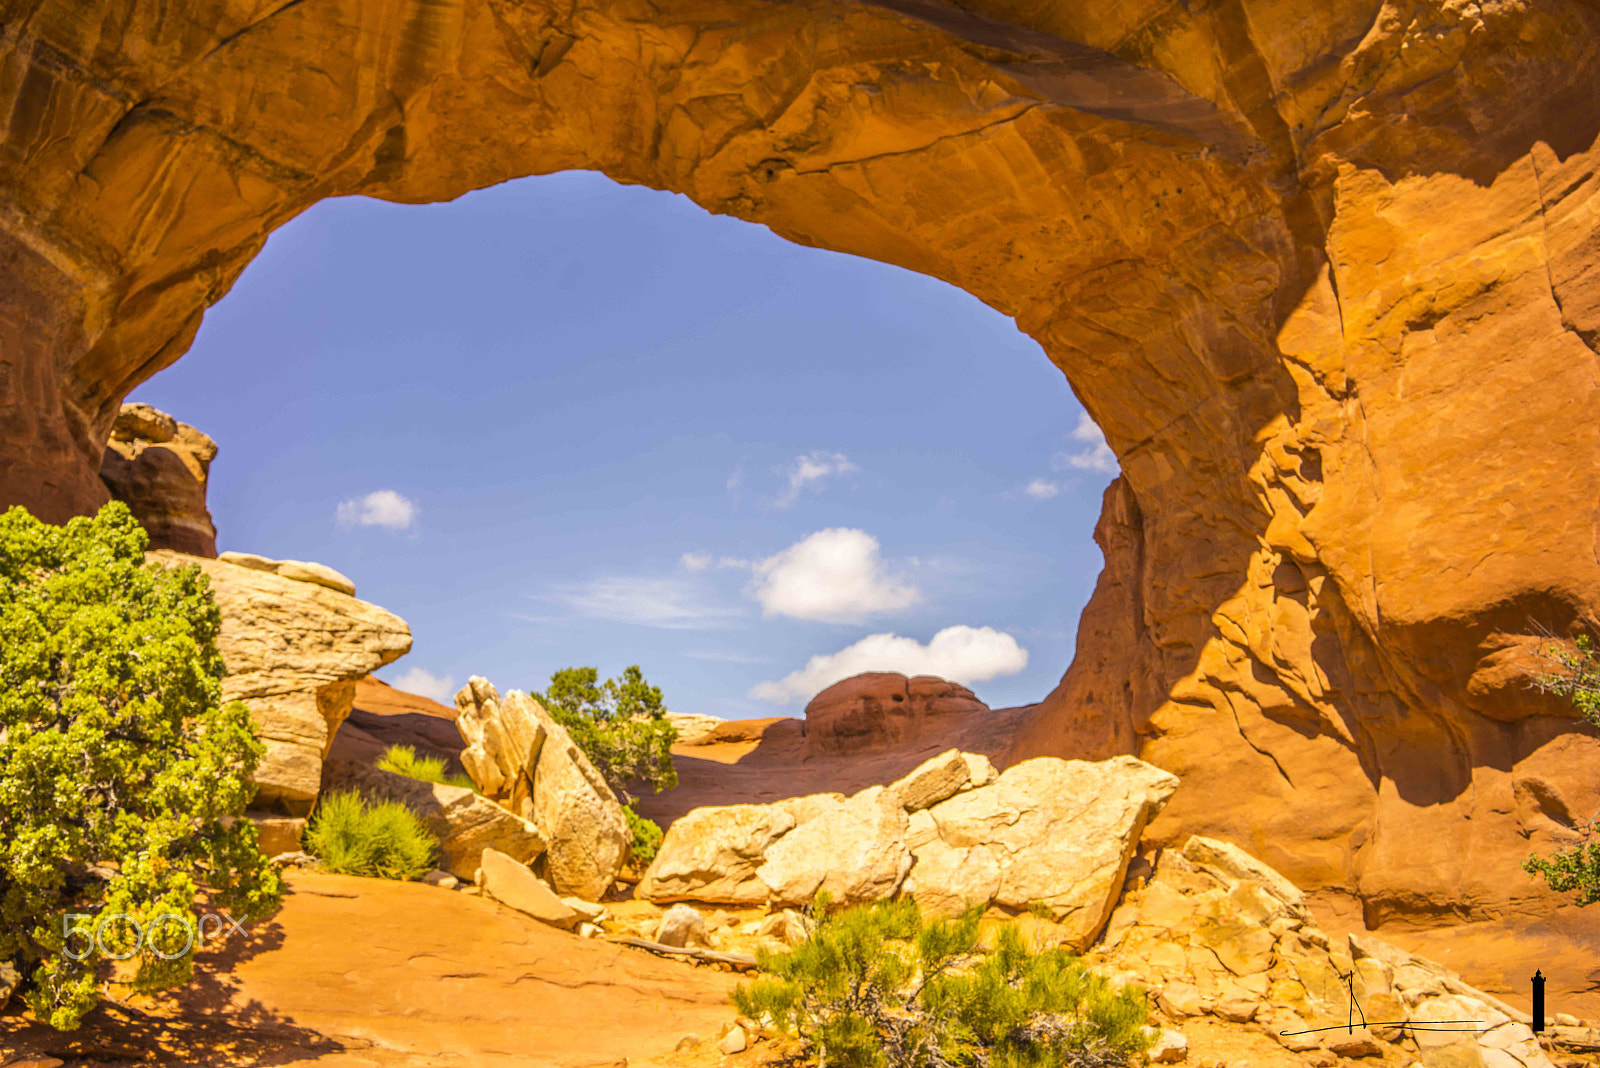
(1538, 1000)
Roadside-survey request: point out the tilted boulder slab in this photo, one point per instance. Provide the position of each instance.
(712, 854)
(158, 467)
(520, 756)
(465, 822)
(512, 883)
(933, 780)
(1056, 833)
(854, 849)
(293, 652)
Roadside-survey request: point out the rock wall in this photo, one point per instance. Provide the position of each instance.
(1324, 274)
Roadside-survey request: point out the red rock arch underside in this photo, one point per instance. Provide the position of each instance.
(1323, 273)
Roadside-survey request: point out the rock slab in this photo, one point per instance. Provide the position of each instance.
(293, 652)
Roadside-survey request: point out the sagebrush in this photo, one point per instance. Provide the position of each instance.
(121, 770)
(404, 760)
(878, 987)
(1575, 869)
(350, 835)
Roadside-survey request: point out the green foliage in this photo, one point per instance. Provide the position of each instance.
(351, 836)
(877, 987)
(403, 760)
(646, 837)
(1578, 680)
(120, 768)
(620, 725)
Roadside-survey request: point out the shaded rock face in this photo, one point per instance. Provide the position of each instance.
(879, 709)
(294, 650)
(158, 467)
(1325, 275)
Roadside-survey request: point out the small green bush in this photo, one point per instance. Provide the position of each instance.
(383, 838)
(646, 837)
(877, 987)
(1577, 678)
(403, 760)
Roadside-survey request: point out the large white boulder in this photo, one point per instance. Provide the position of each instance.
(712, 854)
(1050, 832)
(855, 850)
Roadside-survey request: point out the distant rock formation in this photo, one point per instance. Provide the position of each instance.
(294, 650)
(158, 467)
(521, 757)
(880, 709)
(1051, 834)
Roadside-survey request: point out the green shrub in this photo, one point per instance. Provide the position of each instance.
(877, 987)
(1577, 678)
(403, 760)
(646, 837)
(620, 725)
(351, 836)
(120, 768)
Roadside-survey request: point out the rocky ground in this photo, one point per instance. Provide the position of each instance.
(361, 972)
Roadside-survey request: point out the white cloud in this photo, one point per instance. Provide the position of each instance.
(669, 603)
(962, 654)
(694, 561)
(1040, 490)
(811, 469)
(1096, 455)
(735, 479)
(380, 508)
(833, 576)
(426, 684)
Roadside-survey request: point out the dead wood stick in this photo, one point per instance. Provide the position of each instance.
(742, 961)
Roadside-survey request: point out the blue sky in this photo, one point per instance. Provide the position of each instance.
(562, 421)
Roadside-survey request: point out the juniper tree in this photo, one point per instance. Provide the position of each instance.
(877, 987)
(120, 768)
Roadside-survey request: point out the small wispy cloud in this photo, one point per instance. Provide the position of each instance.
(380, 508)
(1041, 490)
(810, 470)
(668, 602)
(1092, 455)
(726, 656)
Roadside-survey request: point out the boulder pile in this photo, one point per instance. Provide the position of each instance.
(1049, 835)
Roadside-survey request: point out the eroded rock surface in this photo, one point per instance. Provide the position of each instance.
(1324, 274)
(293, 651)
(880, 709)
(158, 467)
(1216, 932)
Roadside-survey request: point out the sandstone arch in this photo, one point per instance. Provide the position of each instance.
(1323, 276)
